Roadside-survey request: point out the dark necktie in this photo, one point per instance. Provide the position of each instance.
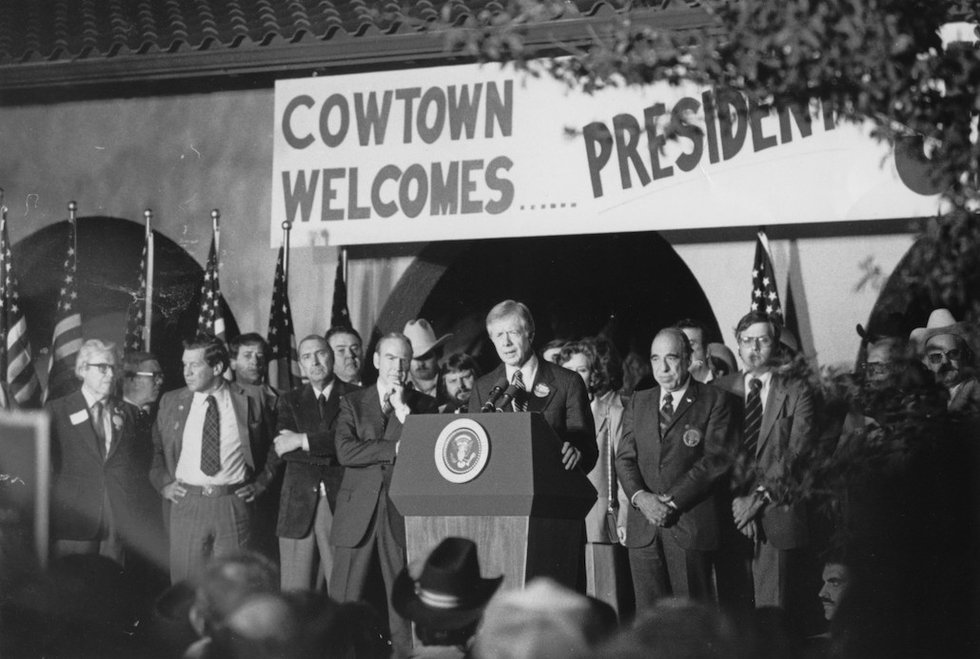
(666, 413)
(211, 439)
(98, 423)
(520, 396)
(321, 403)
(753, 417)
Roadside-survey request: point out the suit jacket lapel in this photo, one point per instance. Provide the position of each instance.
(239, 401)
(684, 404)
(654, 411)
(545, 377)
(309, 408)
(75, 405)
(114, 411)
(774, 403)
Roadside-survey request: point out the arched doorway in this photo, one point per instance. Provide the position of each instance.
(627, 286)
(109, 251)
(912, 293)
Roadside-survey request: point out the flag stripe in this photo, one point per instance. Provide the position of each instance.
(16, 365)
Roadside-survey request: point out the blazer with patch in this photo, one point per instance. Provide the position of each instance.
(168, 432)
(560, 396)
(788, 425)
(366, 441)
(690, 461)
(83, 475)
(299, 411)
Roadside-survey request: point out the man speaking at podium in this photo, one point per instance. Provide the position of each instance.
(526, 383)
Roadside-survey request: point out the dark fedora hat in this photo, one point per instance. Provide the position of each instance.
(449, 593)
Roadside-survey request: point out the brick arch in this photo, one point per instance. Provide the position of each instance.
(109, 252)
(629, 285)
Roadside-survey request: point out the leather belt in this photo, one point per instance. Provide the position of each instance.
(212, 490)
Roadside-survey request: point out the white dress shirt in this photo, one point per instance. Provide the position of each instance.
(766, 379)
(232, 458)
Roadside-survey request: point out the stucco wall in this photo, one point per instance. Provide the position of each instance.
(181, 156)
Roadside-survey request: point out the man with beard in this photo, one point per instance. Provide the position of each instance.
(456, 380)
(947, 354)
(347, 351)
(426, 353)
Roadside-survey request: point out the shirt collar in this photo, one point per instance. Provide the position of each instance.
(677, 395)
(200, 397)
(765, 379)
(90, 399)
(529, 371)
(325, 392)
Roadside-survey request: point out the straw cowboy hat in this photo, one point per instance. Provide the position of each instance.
(449, 593)
(940, 321)
(423, 337)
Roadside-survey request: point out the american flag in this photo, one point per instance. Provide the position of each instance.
(765, 297)
(210, 320)
(136, 318)
(68, 325)
(283, 359)
(16, 365)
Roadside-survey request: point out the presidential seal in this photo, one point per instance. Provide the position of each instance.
(692, 437)
(462, 450)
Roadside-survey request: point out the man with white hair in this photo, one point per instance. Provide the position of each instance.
(94, 460)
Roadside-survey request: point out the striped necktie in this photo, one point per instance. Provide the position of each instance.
(520, 397)
(753, 417)
(666, 413)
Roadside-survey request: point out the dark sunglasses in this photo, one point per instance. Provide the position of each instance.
(936, 357)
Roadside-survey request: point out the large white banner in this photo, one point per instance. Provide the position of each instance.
(461, 152)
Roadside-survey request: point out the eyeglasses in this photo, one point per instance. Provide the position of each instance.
(103, 368)
(150, 374)
(937, 356)
(755, 341)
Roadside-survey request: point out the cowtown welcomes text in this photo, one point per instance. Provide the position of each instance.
(429, 115)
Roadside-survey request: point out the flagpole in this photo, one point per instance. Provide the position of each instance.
(148, 302)
(216, 231)
(286, 226)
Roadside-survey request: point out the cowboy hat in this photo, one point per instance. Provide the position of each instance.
(891, 325)
(449, 593)
(940, 321)
(423, 337)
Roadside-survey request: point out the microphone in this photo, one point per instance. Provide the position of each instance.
(494, 395)
(508, 396)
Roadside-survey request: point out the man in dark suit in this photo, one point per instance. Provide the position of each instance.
(558, 394)
(95, 464)
(208, 443)
(306, 424)
(366, 523)
(677, 446)
(778, 421)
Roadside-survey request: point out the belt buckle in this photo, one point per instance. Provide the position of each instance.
(208, 490)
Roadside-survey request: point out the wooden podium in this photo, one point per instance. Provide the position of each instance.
(498, 480)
